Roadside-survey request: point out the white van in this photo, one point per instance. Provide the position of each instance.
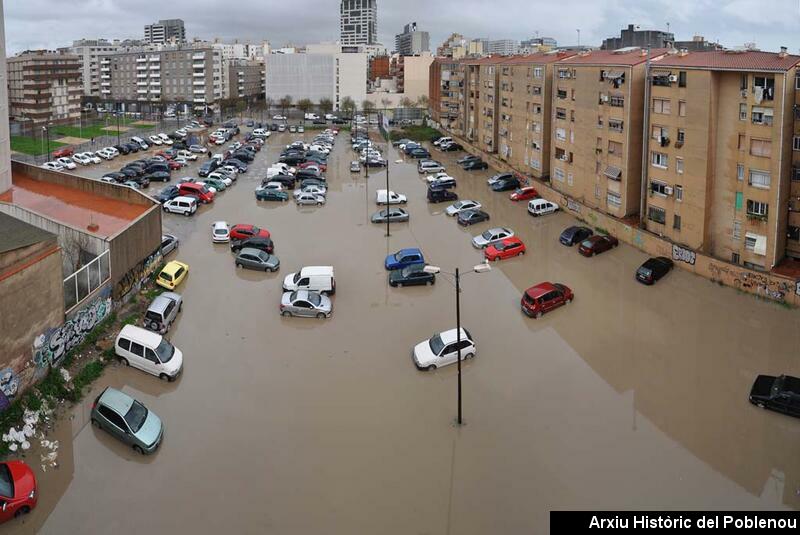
(181, 205)
(394, 198)
(442, 141)
(537, 207)
(141, 142)
(148, 351)
(316, 278)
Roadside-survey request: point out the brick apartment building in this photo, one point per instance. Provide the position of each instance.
(44, 86)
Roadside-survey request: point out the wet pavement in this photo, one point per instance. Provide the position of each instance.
(630, 397)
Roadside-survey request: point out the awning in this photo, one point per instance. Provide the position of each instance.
(614, 173)
(661, 74)
(615, 74)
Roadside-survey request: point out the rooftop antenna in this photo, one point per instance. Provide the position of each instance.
(579, 36)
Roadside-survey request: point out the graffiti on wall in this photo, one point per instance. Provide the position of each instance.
(753, 282)
(683, 255)
(797, 287)
(50, 347)
(9, 383)
(574, 206)
(133, 279)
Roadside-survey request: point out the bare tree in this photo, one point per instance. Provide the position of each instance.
(285, 102)
(326, 105)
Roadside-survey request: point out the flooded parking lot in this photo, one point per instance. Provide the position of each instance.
(629, 397)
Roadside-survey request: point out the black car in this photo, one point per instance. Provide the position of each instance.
(137, 169)
(470, 217)
(441, 195)
(318, 121)
(180, 145)
(412, 147)
(505, 184)
(411, 276)
(119, 177)
(142, 181)
(653, 269)
(287, 180)
(292, 159)
(237, 163)
(420, 153)
(262, 244)
(132, 147)
(306, 173)
(122, 149)
(157, 168)
(273, 127)
(129, 173)
(243, 155)
(467, 158)
(250, 123)
(374, 162)
(573, 235)
(780, 394)
(159, 176)
(475, 165)
(207, 168)
(167, 194)
(452, 147)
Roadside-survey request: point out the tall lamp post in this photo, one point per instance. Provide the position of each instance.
(118, 140)
(46, 132)
(480, 268)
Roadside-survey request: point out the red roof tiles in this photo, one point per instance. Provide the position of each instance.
(612, 57)
(749, 60)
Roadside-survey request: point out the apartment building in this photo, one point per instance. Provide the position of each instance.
(44, 86)
(244, 79)
(598, 112)
(412, 41)
(446, 94)
(186, 75)
(481, 81)
(89, 52)
(525, 112)
(165, 31)
(358, 22)
(722, 175)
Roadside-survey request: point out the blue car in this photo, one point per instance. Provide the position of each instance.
(404, 258)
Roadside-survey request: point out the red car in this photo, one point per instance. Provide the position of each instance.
(597, 244)
(202, 193)
(63, 152)
(322, 167)
(507, 248)
(544, 297)
(174, 165)
(163, 155)
(18, 494)
(523, 194)
(242, 232)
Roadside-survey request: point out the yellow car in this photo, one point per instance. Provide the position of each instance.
(172, 274)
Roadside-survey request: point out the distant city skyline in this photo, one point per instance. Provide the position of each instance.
(43, 24)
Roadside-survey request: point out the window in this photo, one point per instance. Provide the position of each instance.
(742, 112)
(739, 172)
(659, 215)
(615, 148)
(659, 159)
(681, 135)
(750, 242)
(756, 243)
(761, 147)
(599, 121)
(617, 101)
(678, 192)
(676, 222)
(558, 174)
(561, 113)
(661, 106)
(759, 179)
(561, 134)
(739, 201)
(137, 349)
(569, 179)
(682, 108)
(735, 258)
(737, 230)
(125, 344)
(658, 187)
(742, 142)
(615, 125)
(682, 79)
(597, 191)
(793, 233)
(537, 72)
(762, 116)
(796, 143)
(757, 209)
(613, 200)
(659, 132)
(679, 165)
(743, 83)
(536, 90)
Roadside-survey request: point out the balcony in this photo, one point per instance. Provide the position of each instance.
(199, 100)
(199, 82)
(141, 67)
(199, 75)
(155, 67)
(105, 84)
(200, 55)
(141, 60)
(199, 91)
(141, 91)
(104, 77)
(142, 83)
(105, 91)
(105, 69)
(155, 83)
(154, 59)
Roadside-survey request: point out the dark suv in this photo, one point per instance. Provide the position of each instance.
(441, 195)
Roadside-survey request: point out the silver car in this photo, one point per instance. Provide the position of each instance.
(491, 236)
(168, 244)
(306, 303)
(309, 198)
(394, 215)
(257, 259)
(127, 420)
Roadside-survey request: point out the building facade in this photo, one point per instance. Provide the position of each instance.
(632, 36)
(5, 137)
(89, 52)
(446, 94)
(165, 31)
(244, 79)
(358, 21)
(502, 47)
(412, 41)
(44, 86)
(721, 134)
(180, 75)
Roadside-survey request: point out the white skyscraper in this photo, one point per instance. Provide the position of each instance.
(358, 21)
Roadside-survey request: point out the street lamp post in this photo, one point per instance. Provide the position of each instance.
(47, 134)
(118, 140)
(480, 268)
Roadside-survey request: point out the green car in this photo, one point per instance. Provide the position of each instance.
(215, 183)
(271, 195)
(127, 420)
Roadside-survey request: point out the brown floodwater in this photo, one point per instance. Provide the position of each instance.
(630, 397)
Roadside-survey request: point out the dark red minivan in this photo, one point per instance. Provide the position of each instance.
(544, 297)
(202, 193)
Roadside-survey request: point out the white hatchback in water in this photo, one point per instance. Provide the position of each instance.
(442, 349)
(220, 232)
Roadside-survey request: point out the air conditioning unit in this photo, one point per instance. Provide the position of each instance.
(673, 78)
(667, 190)
(605, 98)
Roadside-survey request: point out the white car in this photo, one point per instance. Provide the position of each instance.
(442, 349)
(278, 118)
(442, 140)
(104, 154)
(155, 140)
(230, 169)
(436, 176)
(187, 155)
(114, 152)
(220, 232)
(309, 198)
(53, 166)
(491, 236)
(219, 140)
(461, 206)
(67, 163)
(330, 117)
(182, 161)
(82, 159)
(234, 146)
(93, 157)
(108, 180)
(314, 190)
(165, 138)
(320, 148)
(224, 178)
(260, 132)
(181, 132)
(394, 198)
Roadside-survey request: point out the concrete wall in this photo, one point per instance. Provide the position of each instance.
(766, 285)
(32, 300)
(5, 148)
(134, 244)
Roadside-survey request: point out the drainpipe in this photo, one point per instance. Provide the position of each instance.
(780, 168)
(645, 142)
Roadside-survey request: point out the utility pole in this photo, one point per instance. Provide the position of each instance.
(458, 339)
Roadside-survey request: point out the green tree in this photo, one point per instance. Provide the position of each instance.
(367, 106)
(304, 104)
(326, 105)
(285, 103)
(347, 105)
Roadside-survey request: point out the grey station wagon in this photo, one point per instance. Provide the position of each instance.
(257, 259)
(127, 420)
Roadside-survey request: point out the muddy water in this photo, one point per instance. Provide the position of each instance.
(630, 397)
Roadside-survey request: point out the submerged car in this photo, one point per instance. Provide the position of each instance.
(594, 245)
(270, 194)
(574, 234)
(393, 215)
(462, 206)
(404, 258)
(472, 217)
(507, 248)
(257, 259)
(442, 349)
(127, 420)
(493, 235)
(653, 270)
(779, 394)
(544, 297)
(18, 492)
(413, 275)
(306, 303)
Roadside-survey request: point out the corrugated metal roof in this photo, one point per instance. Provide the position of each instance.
(16, 234)
(747, 60)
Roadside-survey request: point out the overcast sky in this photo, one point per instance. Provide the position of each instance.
(53, 23)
